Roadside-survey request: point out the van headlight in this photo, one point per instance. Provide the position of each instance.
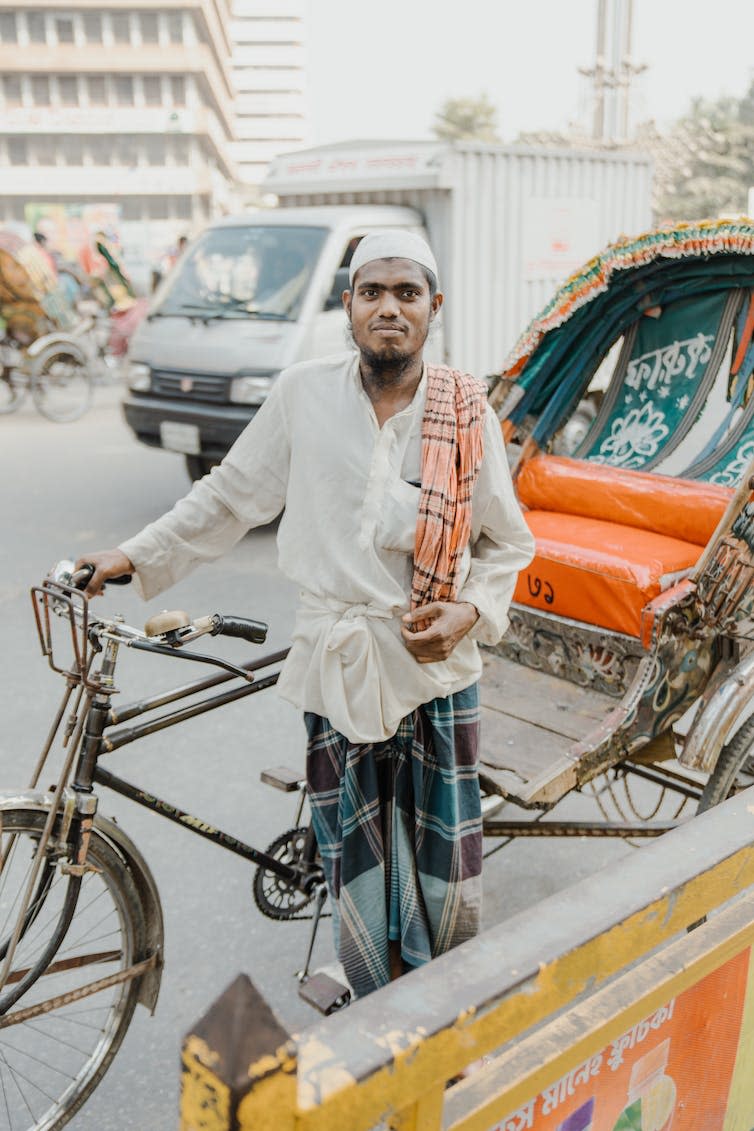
(139, 377)
(251, 389)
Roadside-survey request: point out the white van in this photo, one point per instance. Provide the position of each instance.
(252, 295)
(256, 293)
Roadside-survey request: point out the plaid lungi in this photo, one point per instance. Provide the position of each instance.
(399, 828)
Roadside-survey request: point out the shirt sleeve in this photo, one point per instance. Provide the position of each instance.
(501, 542)
(247, 489)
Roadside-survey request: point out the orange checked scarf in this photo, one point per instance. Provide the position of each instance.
(452, 448)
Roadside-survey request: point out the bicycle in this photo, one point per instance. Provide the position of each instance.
(57, 370)
(81, 929)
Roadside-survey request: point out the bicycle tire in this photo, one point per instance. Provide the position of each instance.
(62, 388)
(11, 395)
(52, 1060)
(723, 781)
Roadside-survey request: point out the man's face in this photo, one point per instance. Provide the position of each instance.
(390, 309)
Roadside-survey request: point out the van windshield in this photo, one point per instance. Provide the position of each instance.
(243, 272)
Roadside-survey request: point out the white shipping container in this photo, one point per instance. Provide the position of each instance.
(507, 224)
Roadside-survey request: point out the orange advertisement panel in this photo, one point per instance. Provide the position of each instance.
(672, 1071)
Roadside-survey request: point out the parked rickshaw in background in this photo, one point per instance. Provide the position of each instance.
(61, 331)
(628, 409)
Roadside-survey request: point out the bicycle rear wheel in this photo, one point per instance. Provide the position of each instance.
(11, 392)
(58, 1039)
(62, 388)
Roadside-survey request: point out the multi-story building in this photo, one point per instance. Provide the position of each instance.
(269, 71)
(118, 103)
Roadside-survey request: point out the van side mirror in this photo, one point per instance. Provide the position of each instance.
(340, 284)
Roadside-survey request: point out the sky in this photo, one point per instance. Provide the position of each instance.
(383, 69)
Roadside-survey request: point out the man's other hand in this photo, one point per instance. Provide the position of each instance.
(432, 632)
(107, 564)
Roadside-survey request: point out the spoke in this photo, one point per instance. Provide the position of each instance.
(5, 1095)
(30, 1056)
(21, 887)
(59, 1040)
(73, 1019)
(14, 1073)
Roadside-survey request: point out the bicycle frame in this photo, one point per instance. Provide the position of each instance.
(97, 714)
(125, 735)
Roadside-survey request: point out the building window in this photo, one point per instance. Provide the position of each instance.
(152, 85)
(68, 90)
(18, 153)
(93, 27)
(40, 90)
(35, 23)
(72, 149)
(95, 85)
(178, 90)
(127, 151)
(157, 207)
(175, 27)
(8, 33)
(154, 146)
(44, 149)
(124, 90)
(121, 27)
(149, 30)
(99, 149)
(64, 29)
(130, 209)
(182, 207)
(12, 90)
(178, 147)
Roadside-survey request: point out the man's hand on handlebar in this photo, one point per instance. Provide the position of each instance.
(108, 565)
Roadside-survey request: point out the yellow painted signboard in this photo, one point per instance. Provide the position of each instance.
(686, 1067)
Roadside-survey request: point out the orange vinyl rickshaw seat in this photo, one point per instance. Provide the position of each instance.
(609, 541)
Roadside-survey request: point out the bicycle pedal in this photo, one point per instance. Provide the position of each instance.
(281, 777)
(324, 993)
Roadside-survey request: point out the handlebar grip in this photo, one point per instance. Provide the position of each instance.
(252, 630)
(82, 577)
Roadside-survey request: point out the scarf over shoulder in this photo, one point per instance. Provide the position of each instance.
(452, 449)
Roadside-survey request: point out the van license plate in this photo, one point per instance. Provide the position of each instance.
(180, 437)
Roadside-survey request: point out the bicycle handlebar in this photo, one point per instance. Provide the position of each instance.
(252, 630)
(80, 579)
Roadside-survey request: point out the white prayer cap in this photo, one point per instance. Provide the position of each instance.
(393, 244)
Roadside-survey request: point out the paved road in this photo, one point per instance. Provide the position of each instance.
(71, 488)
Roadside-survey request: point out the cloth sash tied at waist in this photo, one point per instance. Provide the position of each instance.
(358, 674)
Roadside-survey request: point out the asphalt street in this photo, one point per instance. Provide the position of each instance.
(69, 488)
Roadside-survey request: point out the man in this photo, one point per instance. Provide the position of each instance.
(403, 533)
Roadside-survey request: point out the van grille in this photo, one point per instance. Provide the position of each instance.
(202, 388)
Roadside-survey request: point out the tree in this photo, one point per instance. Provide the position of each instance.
(467, 119)
(704, 165)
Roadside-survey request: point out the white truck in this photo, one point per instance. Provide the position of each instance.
(257, 292)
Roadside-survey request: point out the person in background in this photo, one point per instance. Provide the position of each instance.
(401, 529)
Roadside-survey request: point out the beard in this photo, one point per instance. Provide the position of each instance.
(387, 366)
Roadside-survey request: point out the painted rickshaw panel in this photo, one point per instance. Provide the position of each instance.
(640, 593)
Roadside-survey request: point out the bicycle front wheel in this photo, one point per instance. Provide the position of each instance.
(62, 388)
(58, 1039)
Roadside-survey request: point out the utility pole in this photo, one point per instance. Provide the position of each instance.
(614, 70)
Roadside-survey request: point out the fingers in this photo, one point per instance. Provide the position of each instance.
(426, 613)
(105, 564)
(431, 632)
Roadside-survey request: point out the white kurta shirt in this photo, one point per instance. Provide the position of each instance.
(351, 495)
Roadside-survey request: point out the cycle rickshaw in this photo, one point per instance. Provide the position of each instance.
(628, 657)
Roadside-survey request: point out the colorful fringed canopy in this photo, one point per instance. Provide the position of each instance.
(552, 362)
